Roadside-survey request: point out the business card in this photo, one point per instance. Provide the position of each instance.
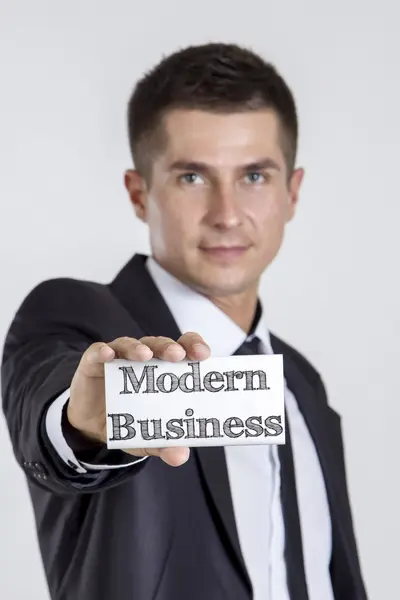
(235, 400)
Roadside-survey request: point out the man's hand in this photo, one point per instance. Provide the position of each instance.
(86, 409)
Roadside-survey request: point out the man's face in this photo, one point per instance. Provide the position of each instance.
(219, 199)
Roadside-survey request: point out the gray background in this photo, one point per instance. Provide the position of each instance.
(67, 69)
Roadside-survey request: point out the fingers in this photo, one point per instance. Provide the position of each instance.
(174, 457)
(97, 354)
(190, 345)
(194, 345)
(131, 349)
(164, 348)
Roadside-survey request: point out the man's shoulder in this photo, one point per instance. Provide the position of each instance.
(308, 370)
(69, 284)
(65, 298)
(65, 290)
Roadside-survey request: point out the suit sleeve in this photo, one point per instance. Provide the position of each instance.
(55, 324)
(75, 450)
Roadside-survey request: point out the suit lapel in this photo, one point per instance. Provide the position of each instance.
(323, 425)
(135, 289)
(314, 411)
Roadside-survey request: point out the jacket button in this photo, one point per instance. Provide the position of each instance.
(40, 468)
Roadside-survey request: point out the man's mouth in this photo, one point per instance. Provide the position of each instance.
(224, 253)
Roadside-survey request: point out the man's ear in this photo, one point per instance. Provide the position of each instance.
(294, 190)
(137, 190)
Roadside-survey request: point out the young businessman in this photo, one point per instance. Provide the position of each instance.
(213, 134)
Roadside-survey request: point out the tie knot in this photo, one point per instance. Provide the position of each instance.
(252, 346)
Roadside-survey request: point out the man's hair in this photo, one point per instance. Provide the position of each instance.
(217, 78)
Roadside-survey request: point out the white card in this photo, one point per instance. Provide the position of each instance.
(237, 400)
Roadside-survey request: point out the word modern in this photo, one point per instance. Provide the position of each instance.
(168, 382)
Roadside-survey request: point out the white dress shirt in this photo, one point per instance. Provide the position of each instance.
(253, 471)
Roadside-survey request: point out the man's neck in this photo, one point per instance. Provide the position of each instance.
(241, 308)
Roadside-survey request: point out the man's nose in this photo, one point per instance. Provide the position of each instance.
(224, 209)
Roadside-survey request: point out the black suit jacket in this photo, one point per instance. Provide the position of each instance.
(147, 531)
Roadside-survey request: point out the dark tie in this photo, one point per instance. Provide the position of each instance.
(293, 545)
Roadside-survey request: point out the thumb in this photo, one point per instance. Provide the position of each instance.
(93, 359)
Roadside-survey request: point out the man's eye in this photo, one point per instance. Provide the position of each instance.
(256, 177)
(192, 178)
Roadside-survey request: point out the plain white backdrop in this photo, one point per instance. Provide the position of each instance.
(67, 69)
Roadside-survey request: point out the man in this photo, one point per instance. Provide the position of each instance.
(213, 133)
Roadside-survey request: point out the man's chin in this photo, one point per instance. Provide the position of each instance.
(222, 284)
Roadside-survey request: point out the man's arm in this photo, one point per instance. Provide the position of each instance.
(52, 345)
(53, 327)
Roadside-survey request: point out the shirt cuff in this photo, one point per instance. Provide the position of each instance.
(57, 439)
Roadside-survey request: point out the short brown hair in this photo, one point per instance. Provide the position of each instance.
(214, 77)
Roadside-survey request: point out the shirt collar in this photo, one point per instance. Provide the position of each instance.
(194, 312)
